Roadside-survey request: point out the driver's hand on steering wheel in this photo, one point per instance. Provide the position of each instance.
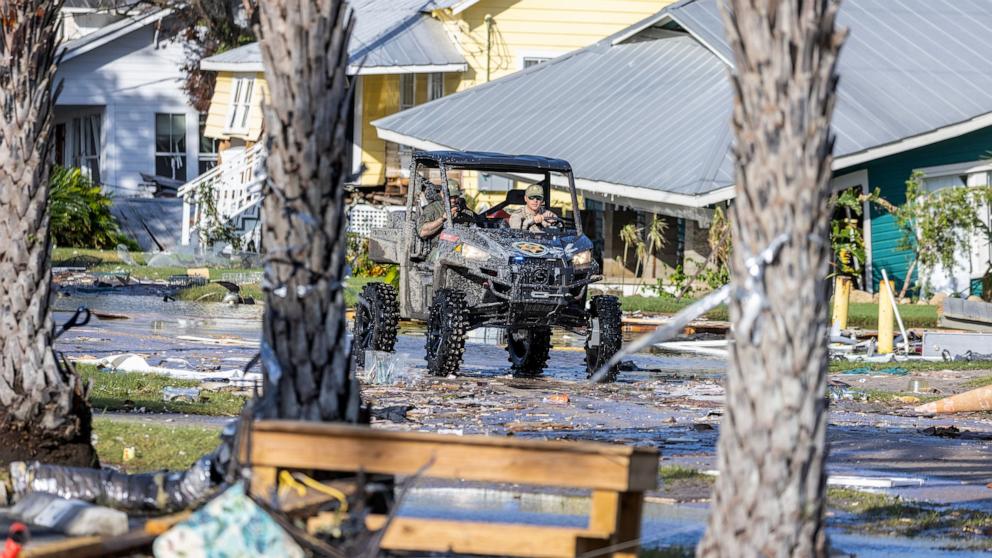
(546, 216)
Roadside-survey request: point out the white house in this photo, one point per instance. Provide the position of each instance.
(122, 115)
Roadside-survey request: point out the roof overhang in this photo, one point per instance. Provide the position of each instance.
(109, 34)
(423, 69)
(914, 142)
(629, 193)
(258, 67)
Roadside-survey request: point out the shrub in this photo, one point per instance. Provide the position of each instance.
(80, 213)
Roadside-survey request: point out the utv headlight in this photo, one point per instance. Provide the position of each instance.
(470, 252)
(582, 259)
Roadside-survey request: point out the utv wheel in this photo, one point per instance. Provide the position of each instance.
(606, 310)
(447, 325)
(528, 350)
(377, 317)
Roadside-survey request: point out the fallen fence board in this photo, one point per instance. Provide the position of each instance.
(477, 458)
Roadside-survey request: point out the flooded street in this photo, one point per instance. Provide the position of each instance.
(671, 402)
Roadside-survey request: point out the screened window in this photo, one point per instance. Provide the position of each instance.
(170, 146)
(208, 148)
(435, 86)
(408, 91)
(242, 91)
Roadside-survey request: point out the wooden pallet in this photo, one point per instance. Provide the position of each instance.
(617, 475)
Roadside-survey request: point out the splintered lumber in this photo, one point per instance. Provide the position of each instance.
(338, 447)
(979, 399)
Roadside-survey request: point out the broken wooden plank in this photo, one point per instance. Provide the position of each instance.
(334, 447)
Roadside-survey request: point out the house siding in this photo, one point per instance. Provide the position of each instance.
(889, 176)
(544, 28)
(131, 79)
(220, 103)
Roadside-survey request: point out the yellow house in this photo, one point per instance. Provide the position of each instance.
(409, 52)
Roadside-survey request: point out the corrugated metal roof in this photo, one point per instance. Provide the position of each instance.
(653, 111)
(387, 33)
(907, 68)
(646, 113)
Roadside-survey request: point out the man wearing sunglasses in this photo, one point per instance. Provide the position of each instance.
(533, 216)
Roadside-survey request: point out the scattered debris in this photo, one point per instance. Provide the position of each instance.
(383, 368)
(124, 255)
(69, 516)
(558, 399)
(854, 481)
(949, 345)
(942, 431)
(170, 393)
(231, 524)
(128, 454)
(894, 371)
(395, 413)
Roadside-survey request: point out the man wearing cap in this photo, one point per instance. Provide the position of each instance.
(433, 217)
(532, 216)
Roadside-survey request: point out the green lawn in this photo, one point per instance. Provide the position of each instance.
(156, 446)
(864, 316)
(124, 391)
(111, 262)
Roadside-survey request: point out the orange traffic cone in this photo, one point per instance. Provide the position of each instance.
(975, 400)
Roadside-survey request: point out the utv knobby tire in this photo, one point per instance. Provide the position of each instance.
(528, 351)
(606, 309)
(377, 318)
(447, 325)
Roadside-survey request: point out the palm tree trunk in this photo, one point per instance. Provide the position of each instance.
(768, 500)
(304, 354)
(43, 411)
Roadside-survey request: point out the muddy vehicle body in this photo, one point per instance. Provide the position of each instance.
(477, 272)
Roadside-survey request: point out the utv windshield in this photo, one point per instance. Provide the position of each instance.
(480, 198)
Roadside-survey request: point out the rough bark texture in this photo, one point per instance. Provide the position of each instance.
(43, 411)
(304, 354)
(768, 500)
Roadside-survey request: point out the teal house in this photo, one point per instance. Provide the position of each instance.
(644, 118)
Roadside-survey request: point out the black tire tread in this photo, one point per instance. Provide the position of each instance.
(454, 324)
(607, 309)
(536, 357)
(385, 309)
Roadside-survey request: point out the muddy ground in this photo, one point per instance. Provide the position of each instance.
(671, 402)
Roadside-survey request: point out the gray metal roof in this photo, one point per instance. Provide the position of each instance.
(653, 111)
(907, 68)
(387, 33)
(645, 113)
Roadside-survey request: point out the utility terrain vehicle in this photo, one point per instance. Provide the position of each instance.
(477, 272)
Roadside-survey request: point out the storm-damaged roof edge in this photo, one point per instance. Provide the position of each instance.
(595, 186)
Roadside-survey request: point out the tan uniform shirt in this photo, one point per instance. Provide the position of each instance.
(523, 219)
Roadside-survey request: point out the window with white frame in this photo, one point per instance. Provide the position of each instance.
(408, 91)
(435, 86)
(242, 91)
(170, 146)
(207, 158)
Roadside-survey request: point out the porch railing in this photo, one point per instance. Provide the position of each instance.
(223, 194)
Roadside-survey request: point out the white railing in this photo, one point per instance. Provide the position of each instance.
(221, 194)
